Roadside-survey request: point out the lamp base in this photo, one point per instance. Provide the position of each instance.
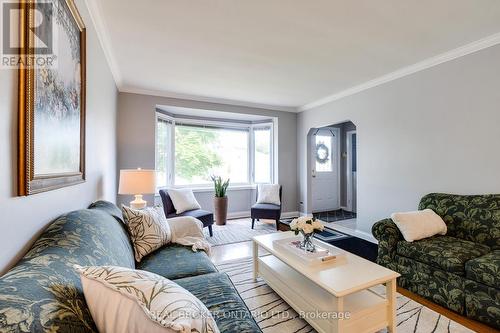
(138, 203)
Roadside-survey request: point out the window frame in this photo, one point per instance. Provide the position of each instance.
(170, 163)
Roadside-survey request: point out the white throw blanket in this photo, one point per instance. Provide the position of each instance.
(188, 231)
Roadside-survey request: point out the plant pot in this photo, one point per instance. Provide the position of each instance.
(220, 205)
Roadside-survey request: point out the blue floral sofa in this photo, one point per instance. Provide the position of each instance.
(43, 293)
(461, 270)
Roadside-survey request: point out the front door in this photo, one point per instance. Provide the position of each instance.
(325, 170)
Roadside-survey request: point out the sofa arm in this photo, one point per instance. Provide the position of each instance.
(388, 236)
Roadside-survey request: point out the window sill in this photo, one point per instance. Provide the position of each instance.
(203, 189)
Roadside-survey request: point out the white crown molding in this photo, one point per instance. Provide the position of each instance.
(102, 34)
(419, 66)
(168, 94)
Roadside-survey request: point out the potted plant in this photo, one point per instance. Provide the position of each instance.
(220, 200)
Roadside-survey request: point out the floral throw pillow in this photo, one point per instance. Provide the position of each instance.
(148, 230)
(127, 300)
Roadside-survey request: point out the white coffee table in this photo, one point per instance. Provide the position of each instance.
(325, 292)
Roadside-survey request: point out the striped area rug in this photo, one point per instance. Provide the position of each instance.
(274, 315)
(239, 230)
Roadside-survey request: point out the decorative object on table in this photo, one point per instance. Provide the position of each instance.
(220, 199)
(268, 205)
(183, 199)
(51, 145)
(306, 226)
(206, 217)
(137, 182)
(320, 255)
(151, 302)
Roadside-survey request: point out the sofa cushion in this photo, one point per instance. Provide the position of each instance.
(127, 300)
(447, 253)
(475, 218)
(177, 261)
(485, 269)
(43, 291)
(219, 295)
(204, 216)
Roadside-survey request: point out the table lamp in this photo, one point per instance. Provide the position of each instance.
(137, 182)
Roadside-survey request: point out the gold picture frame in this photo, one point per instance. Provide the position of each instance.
(33, 179)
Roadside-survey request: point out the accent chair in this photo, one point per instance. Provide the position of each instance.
(203, 215)
(266, 211)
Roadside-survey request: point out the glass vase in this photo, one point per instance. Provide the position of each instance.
(307, 243)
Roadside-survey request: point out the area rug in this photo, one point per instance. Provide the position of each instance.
(274, 315)
(239, 230)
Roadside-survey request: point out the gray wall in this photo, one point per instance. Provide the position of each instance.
(136, 144)
(436, 130)
(25, 217)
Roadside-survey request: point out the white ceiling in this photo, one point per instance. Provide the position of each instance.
(282, 54)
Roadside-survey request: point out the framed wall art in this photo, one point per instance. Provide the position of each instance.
(51, 150)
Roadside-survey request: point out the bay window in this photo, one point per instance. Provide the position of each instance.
(189, 152)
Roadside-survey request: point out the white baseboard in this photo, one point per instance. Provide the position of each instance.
(238, 215)
(287, 215)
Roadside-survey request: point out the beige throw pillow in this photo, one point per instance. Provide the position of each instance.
(148, 230)
(269, 194)
(183, 200)
(419, 224)
(123, 300)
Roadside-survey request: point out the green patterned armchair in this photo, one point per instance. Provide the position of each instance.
(43, 292)
(461, 270)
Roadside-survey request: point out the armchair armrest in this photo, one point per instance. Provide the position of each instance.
(388, 236)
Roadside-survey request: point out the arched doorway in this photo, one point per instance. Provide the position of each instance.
(333, 172)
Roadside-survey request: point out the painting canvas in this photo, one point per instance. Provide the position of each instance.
(52, 103)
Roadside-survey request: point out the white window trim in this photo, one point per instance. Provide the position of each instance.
(272, 124)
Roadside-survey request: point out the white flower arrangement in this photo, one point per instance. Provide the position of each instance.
(306, 225)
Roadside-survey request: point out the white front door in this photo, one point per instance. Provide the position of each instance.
(325, 170)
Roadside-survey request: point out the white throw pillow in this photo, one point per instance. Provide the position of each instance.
(419, 224)
(123, 300)
(269, 193)
(148, 230)
(183, 200)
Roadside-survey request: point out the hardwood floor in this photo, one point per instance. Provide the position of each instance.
(242, 250)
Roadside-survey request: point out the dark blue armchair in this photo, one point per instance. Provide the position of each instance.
(204, 216)
(266, 211)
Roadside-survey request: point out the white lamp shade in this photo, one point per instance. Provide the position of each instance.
(137, 181)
